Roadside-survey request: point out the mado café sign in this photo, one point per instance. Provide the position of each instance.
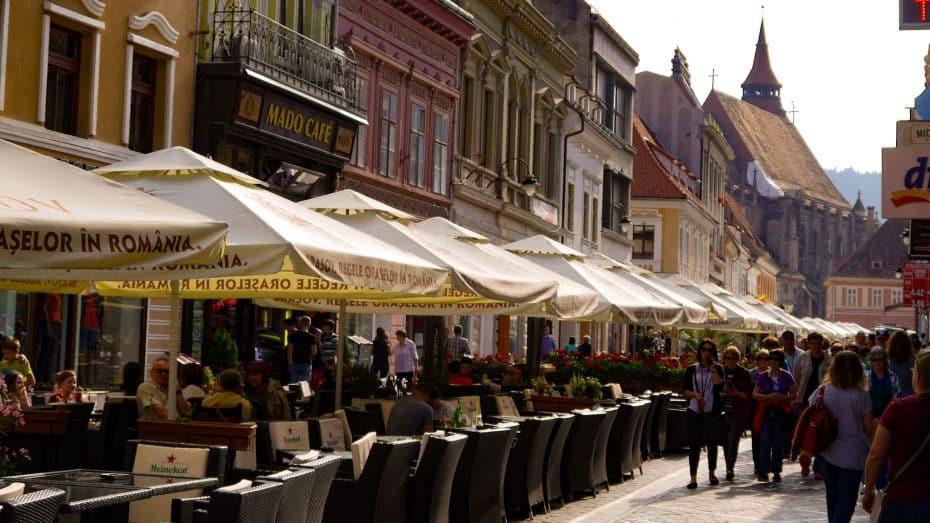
(906, 181)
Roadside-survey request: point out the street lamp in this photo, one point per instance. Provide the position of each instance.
(906, 236)
(528, 184)
(625, 225)
(898, 273)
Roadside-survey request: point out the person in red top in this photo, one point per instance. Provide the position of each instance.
(460, 373)
(901, 431)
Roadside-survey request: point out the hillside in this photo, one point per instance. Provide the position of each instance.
(849, 181)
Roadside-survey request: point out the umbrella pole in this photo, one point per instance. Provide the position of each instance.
(340, 352)
(173, 350)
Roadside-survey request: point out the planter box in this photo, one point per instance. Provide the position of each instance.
(560, 404)
(236, 436)
(43, 422)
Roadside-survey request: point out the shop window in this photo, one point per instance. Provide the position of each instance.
(388, 149)
(63, 80)
(440, 153)
(416, 149)
(644, 242)
(142, 110)
(110, 336)
(359, 153)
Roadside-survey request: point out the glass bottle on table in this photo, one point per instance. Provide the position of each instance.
(457, 415)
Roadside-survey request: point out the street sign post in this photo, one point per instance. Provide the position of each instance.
(913, 14)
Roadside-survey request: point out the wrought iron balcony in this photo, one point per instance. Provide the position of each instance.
(243, 35)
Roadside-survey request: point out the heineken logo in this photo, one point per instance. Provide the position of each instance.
(292, 439)
(169, 466)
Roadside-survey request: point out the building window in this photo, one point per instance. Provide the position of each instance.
(360, 152)
(468, 116)
(570, 208)
(551, 174)
(877, 298)
(64, 80)
(615, 200)
(490, 130)
(614, 93)
(440, 153)
(897, 296)
(386, 161)
(644, 241)
(586, 216)
(852, 297)
(416, 149)
(142, 105)
(595, 209)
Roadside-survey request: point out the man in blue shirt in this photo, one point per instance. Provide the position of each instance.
(548, 341)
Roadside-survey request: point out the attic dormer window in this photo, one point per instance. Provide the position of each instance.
(877, 264)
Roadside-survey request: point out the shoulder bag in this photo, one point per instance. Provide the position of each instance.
(879, 503)
(816, 428)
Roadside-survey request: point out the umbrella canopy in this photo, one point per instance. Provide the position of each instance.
(630, 302)
(694, 312)
(791, 322)
(301, 251)
(777, 322)
(766, 322)
(60, 222)
(348, 202)
(737, 319)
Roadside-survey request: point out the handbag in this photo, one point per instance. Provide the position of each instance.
(879, 502)
(816, 428)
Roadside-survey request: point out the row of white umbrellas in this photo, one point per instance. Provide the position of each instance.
(204, 230)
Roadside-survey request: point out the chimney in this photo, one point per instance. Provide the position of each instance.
(680, 67)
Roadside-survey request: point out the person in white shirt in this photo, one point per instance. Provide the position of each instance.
(406, 358)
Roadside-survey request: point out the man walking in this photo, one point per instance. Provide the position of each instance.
(299, 351)
(548, 341)
(457, 346)
(405, 358)
(791, 350)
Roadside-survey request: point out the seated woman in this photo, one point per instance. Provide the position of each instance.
(13, 359)
(16, 389)
(65, 387)
(266, 393)
(132, 378)
(458, 375)
(230, 394)
(192, 376)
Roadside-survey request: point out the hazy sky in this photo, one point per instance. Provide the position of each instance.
(847, 68)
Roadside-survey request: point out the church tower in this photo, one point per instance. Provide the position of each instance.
(761, 88)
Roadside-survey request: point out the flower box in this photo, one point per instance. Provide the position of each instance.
(43, 422)
(560, 404)
(236, 436)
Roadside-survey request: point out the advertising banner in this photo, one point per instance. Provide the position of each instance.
(906, 182)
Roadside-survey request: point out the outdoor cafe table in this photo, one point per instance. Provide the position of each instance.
(100, 495)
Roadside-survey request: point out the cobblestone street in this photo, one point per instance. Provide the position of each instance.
(660, 495)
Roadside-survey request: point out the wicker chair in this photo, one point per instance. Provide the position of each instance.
(578, 454)
(255, 504)
(552, 472)
(645, 444)
(381, 490)
(637, 457)
(660, 425)
(217, 459)
(298, 485)
(600, 448)
(325, 468)
(362, 422)
(218, 415)
(621, 438)
(479, 479)
(430, 487)
(523, 487)
(40, 506)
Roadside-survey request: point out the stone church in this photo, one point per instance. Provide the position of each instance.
(791, 204)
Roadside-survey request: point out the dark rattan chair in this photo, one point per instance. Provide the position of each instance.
(218, 415)
(552, 471)
(40, 506)
(637, 457)
(479, 479)
(379, 420)
(255, 504)
(429, 488)
(660, 425)
(600, 448)
(621, 438)
(523, 488)
(325, 468)
(578, 454)
(645, 443)
(381, 490)
(295, 499)
(217, 458)
(362, 422)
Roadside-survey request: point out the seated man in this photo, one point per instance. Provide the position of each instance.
(460, 373)
(230, 395)
(412, 414)
(152, 396)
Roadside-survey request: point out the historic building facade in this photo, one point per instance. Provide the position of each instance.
(91, 82)
(793, 208)
(862, 288)
(409, 74)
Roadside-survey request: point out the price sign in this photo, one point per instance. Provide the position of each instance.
(916, 284)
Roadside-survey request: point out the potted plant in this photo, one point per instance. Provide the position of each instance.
(364, 382)
(224, 354)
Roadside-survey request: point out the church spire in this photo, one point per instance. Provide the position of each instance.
(761, 88)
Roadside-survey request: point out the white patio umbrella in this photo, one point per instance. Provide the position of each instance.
(694, 312)
(628, 301)
(791, 321)
(274, 246)
(737, 319)
(59, 222)
(766, 322)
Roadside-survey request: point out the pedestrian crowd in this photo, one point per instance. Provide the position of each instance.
(856, 415)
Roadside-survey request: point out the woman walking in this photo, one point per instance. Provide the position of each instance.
(902, 431)
(844, 460)
(737, 389)
(773, 410)
(762, 366)
(702, 384)
(901, 360)
(380, 351)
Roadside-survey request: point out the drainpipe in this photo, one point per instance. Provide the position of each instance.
(565, 151)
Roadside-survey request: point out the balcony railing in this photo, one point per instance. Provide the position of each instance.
(243, 35)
